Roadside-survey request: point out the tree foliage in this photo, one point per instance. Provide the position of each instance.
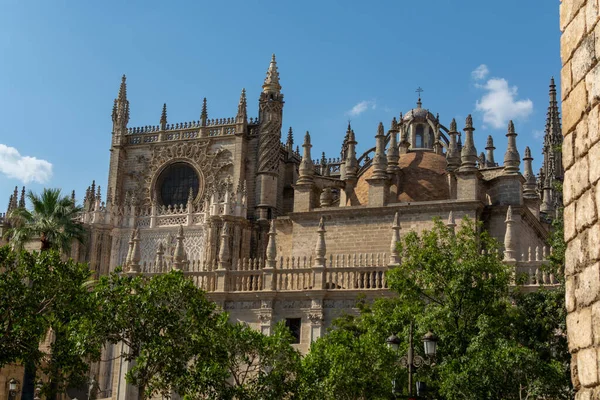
(495, 342)
(42, 296)
(52, 218)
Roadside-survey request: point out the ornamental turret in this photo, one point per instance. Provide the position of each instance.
(270, 116)
(453, 154)
(468, 154)
(512, 159)
(489, 148)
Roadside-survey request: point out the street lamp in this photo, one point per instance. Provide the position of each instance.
(13, 388)
(412, 361)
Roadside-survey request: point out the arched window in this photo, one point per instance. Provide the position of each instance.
(175, 182)
(419, 135)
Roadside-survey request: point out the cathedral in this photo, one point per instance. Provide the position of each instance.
(272, 234)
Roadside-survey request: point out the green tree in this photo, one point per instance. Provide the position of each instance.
(495, 343)
(52, 218)
(162, 322)
(42, 295)
(249, 366)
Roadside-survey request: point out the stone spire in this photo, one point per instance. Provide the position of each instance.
(468, 154)
(73, 197)
(453, 155)
(224, 253)
(271, 84)
(129, 251)
(351, 163)
(379, 160)
(307, 169)
(510, 237)
(163, 118)
(179, 256)
(242, 114)
(530, 186)
(393, 153)
(394, 255)
(451, 224)
(272, 247)
(289, 143)
(489, 148)
(22, 198)
(120, 113)
(321, 247)
(204, 113)
(512, 159)
(160, 257)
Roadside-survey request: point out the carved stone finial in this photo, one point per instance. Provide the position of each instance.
(453, 127)
(468, 153)
(380, 160)
(120, 114)
(22, 198)
(242, 115)
(160, 257)
(321, 248)
(489, 147)
(272, 246)
(134, 265)
(530, 186)
(394, 125)
(394, 255)
(204, 113)
(510, 237)
(289, 144)
(163, 117)
(224, 252)
(393, 152)
(179, 255)
(272, 80)
(512, 159)
(306, 169)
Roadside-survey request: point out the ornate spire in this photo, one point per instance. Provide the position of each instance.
(512, 159)
(530, 186)
(351, 163)
(224, 253)
(129, 251)
(204, 113)
(271, 84)
(179, 256)
(163, 117)
(468, 154)
(22, 198)
(510, 237)
(379, 160)
(242, 115)
(453, 155)
(120, 114)
(394, 255)
(73, 197)
(272, 247)
(393, 153)
(289, 143)
(321, 247)
(306, 170)
(489, 147)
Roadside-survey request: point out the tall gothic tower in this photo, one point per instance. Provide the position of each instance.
(270, 116)
(552, 169)
(120, 118)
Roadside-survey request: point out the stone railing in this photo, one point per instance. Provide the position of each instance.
(185, 130)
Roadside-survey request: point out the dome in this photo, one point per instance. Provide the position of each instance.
(419, 113)
(422, 178)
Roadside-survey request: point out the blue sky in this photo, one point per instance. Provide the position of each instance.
(62, 62)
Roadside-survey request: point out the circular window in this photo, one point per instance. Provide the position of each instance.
(175, 182)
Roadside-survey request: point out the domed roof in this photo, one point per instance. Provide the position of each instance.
(422, 178)
(419, 113)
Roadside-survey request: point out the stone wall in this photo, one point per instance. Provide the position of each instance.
(580, 83)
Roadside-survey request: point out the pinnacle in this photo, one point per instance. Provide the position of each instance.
(380, 130)
(511, 127)
(272, 79)
(527, 153)
(490, 142)
(453, 127)
(307, 138)
(469, 122)
(163, 116)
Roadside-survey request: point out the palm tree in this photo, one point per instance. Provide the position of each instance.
(52, 218)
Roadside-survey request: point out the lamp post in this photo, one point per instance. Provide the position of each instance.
(13, 388)
(412, 361)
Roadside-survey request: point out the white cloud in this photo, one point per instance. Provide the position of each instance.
(480, 72)
(362, 107)
(500, 104)
(24, 168)
(538, 134)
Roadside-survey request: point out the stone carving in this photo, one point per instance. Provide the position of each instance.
(270, 131)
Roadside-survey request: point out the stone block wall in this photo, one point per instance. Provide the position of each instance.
(580, 87)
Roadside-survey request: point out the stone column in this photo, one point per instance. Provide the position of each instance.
(580, 87)
(320, 251)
